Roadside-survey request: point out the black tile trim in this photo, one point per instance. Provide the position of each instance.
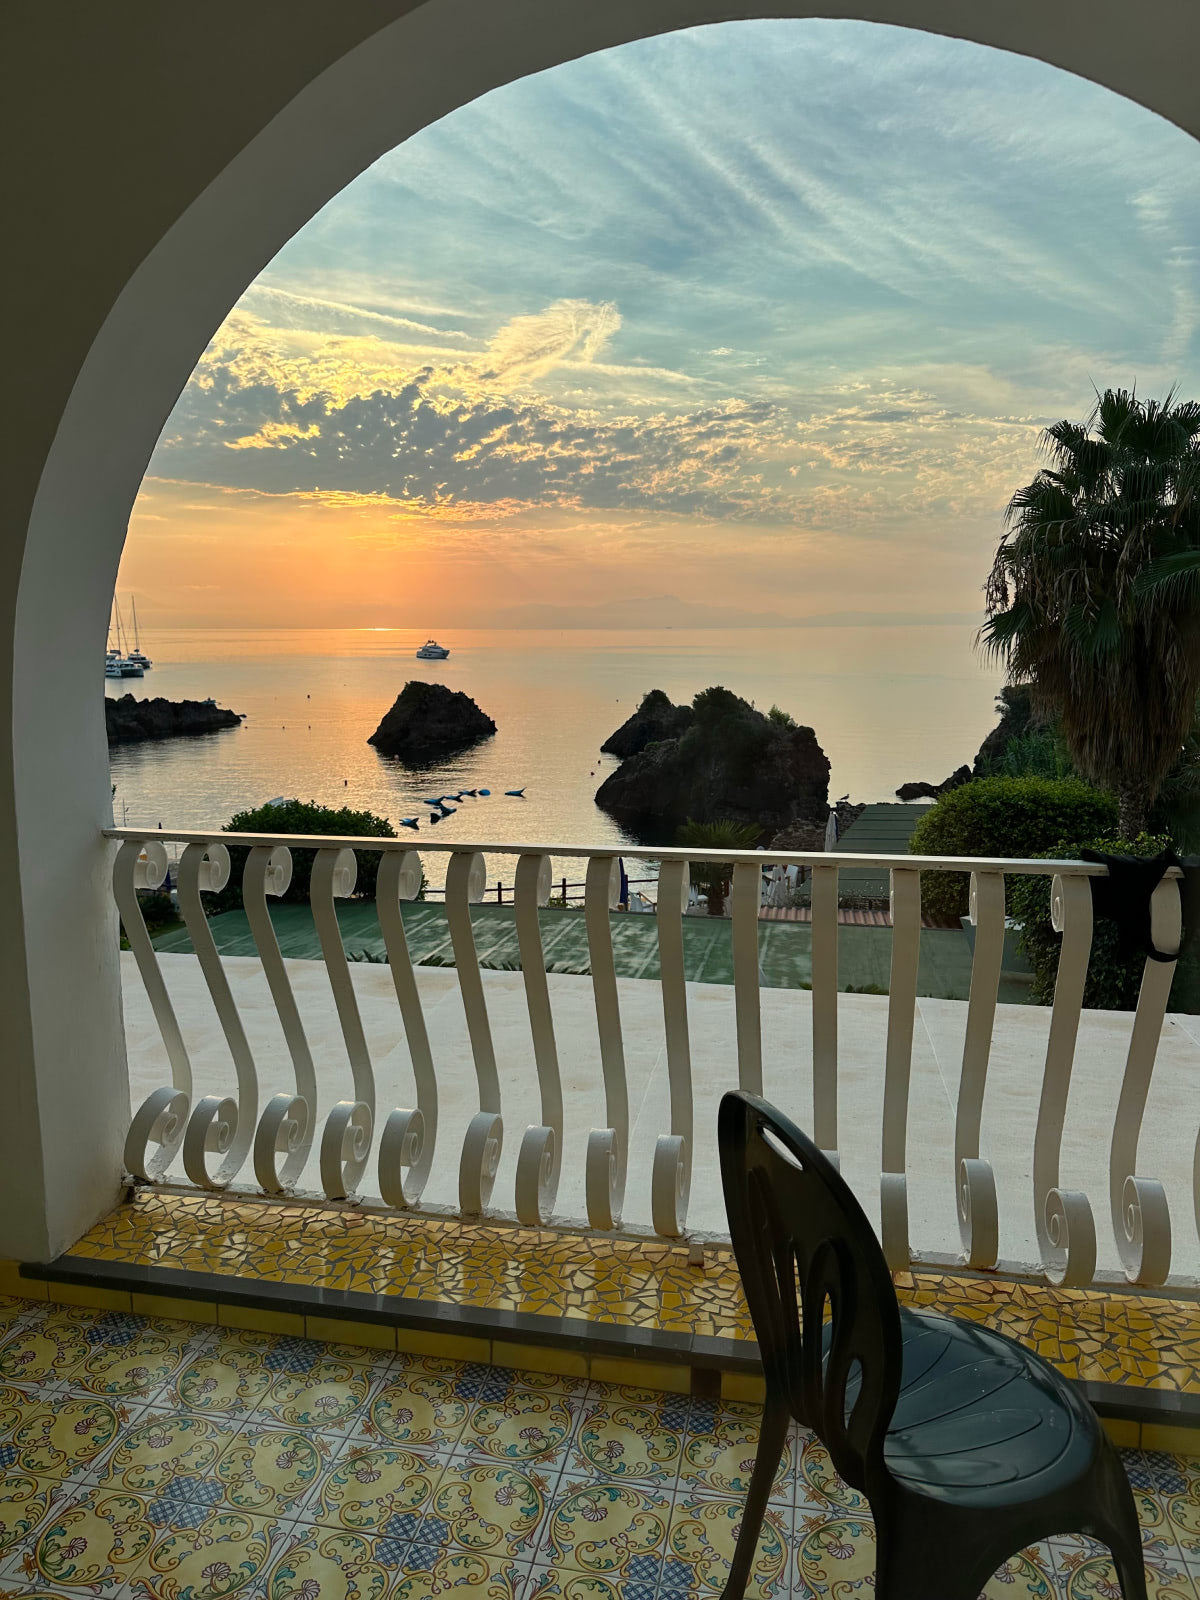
(703, 1353)
(1129, 1403)
(515, 1327)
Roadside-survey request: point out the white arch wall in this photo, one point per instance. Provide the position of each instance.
(171, 151)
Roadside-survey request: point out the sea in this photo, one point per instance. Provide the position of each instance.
(888, 704)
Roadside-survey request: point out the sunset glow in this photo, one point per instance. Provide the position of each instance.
(757, 321)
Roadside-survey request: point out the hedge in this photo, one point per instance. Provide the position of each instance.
(302, 816)
(1016, 817)
(1112, 981)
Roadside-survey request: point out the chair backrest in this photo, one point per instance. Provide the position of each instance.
(819, 1291)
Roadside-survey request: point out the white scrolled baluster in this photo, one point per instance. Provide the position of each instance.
(350, 1125)
(746, 899)
(539, 1160)
(978, 1218)
(219, 1126)
(671, 1176)
(1141, 1217)
(1066, 1228)
(608, 1148)
(825, 1008)
(288, 1124)
(902, 1013)
(407, 1142)
(466, 879)
(162, 1117)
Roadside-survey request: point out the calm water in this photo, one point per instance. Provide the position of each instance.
(887, 704)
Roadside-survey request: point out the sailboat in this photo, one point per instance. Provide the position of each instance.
(135, 655)
(116, 663)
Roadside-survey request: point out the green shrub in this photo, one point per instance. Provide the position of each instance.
(1003, 817)
(714, 878)
(303, 816)
(1113, 981)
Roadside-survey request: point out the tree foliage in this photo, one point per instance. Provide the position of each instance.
(1094, 594)
(304, 817)
(714, 878)
(1113, 980)
(1012, 817)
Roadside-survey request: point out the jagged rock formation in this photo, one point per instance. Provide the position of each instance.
(729, 762)
(429, 721)
(930, 791)
(127, 721)
(810, 834)
(654, 720)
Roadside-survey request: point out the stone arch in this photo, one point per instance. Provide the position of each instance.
(365, 83)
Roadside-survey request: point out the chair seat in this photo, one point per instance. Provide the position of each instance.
(982, 1421)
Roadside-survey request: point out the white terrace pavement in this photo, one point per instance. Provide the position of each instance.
(1009, 1115)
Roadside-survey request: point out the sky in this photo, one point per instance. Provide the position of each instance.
(758, 321)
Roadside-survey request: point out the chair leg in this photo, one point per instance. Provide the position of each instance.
(1120, 1529)
(771, 1439)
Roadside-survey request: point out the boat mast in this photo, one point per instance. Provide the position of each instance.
(137, 643)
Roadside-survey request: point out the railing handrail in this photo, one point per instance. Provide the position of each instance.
(1028, 867)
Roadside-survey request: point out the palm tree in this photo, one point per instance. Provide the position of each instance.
(715, 877)
(1094, 595)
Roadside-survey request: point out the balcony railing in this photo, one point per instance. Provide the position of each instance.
(633, 1147)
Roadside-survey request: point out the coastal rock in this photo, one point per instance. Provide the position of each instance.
(730, 762)
(654, 720)
(810, 834)
(1017, 718)
(127, 721)
(930, 791)
(429, 721)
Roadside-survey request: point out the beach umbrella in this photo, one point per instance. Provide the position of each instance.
(623, 896)
(779, 890)
(831, 830)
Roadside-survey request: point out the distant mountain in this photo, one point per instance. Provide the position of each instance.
(668, 611)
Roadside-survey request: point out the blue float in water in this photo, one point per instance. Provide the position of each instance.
(519, 793)
(485, 791)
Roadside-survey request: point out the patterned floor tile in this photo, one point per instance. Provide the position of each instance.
(567, 1583)
(1084, 1571)
(700, 1542)
(56, 1433)
(417, 1406)
(321, 1562)
(629, 1440)
(487, 1509)
(225, 1555)
(220, 1382)
(528, 1426)
(332, 1395)
(609, 1530)
(425, 1575)
(718, 1457)
(27, 1501)
(380, 1491)
(272, 1471)
(163, 1449)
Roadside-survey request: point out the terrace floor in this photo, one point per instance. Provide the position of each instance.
(157, 1458)
(1009, 1112)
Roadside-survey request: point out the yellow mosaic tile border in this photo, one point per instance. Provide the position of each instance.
(1094, 1334)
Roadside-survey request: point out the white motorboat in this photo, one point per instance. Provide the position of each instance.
(431, 650)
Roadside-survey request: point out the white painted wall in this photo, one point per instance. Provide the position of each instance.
(166, 153)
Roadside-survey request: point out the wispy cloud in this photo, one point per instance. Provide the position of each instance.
(822, 283)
